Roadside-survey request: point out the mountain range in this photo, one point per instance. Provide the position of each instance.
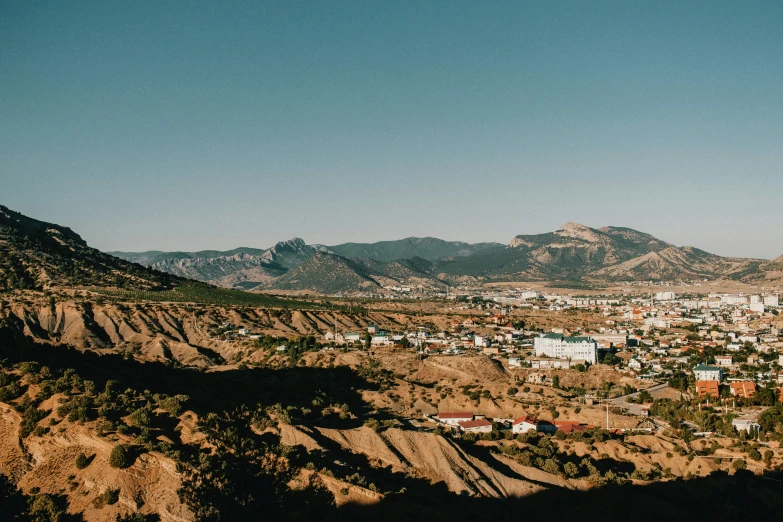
(573, 253)
(35, 254)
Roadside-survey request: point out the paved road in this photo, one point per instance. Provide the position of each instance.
(634, 409)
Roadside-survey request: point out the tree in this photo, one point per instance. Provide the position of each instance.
(119, 457)
(48, 508)
(246, 474)
(556, 381)
(82, 461)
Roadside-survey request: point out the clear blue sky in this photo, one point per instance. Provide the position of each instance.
(177, 125)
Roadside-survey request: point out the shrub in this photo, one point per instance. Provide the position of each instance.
(46, 507)
(82, 461)
(108, 497)
(739, 464)
(119, 457)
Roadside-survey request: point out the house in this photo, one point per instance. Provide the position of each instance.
(454, 418)
(525, 424)
(351, 337)
(753, 358)
(568, 427)
(476, 426)
(542, 363)
(536, 378)
(702, 372)
(491, 350)
(704, 388)
(515, 362)
(432, 349)
(748, 426)
(743, 389)
(723, 360)
(610, 340)
(635, 363)
(381, 340)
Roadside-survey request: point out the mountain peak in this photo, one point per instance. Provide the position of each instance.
(575, 230)
(295, 243)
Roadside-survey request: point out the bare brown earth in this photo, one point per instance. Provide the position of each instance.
(417, 387)
(148, 486)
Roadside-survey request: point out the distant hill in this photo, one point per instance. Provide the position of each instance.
(36, 255)
(429, 248)
(329, 273)
(575, 252)
(240, 268)
(250, 268)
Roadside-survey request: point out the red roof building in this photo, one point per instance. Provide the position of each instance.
(744, 389)
(476, 426)
(568, 427)
(704, 388)
(455, 417)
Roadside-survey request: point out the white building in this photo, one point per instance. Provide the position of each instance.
(771, 301)
(476, 426)
(454, 418)
(664, 296)
(748, 426)
(351, 337)
(544, 363)
(724, 360)
(562, 347)
(702, 372)
(636, 364)
(525, 424)
(657, 322)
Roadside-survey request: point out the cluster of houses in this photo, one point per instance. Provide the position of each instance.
(467, 422)
(639, 327)
(709, 378)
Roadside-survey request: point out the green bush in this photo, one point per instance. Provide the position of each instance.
(82, 461)
(119, 457)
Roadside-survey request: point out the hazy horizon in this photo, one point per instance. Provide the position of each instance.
(146, 126)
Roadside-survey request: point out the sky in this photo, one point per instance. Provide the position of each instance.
(212, 125)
